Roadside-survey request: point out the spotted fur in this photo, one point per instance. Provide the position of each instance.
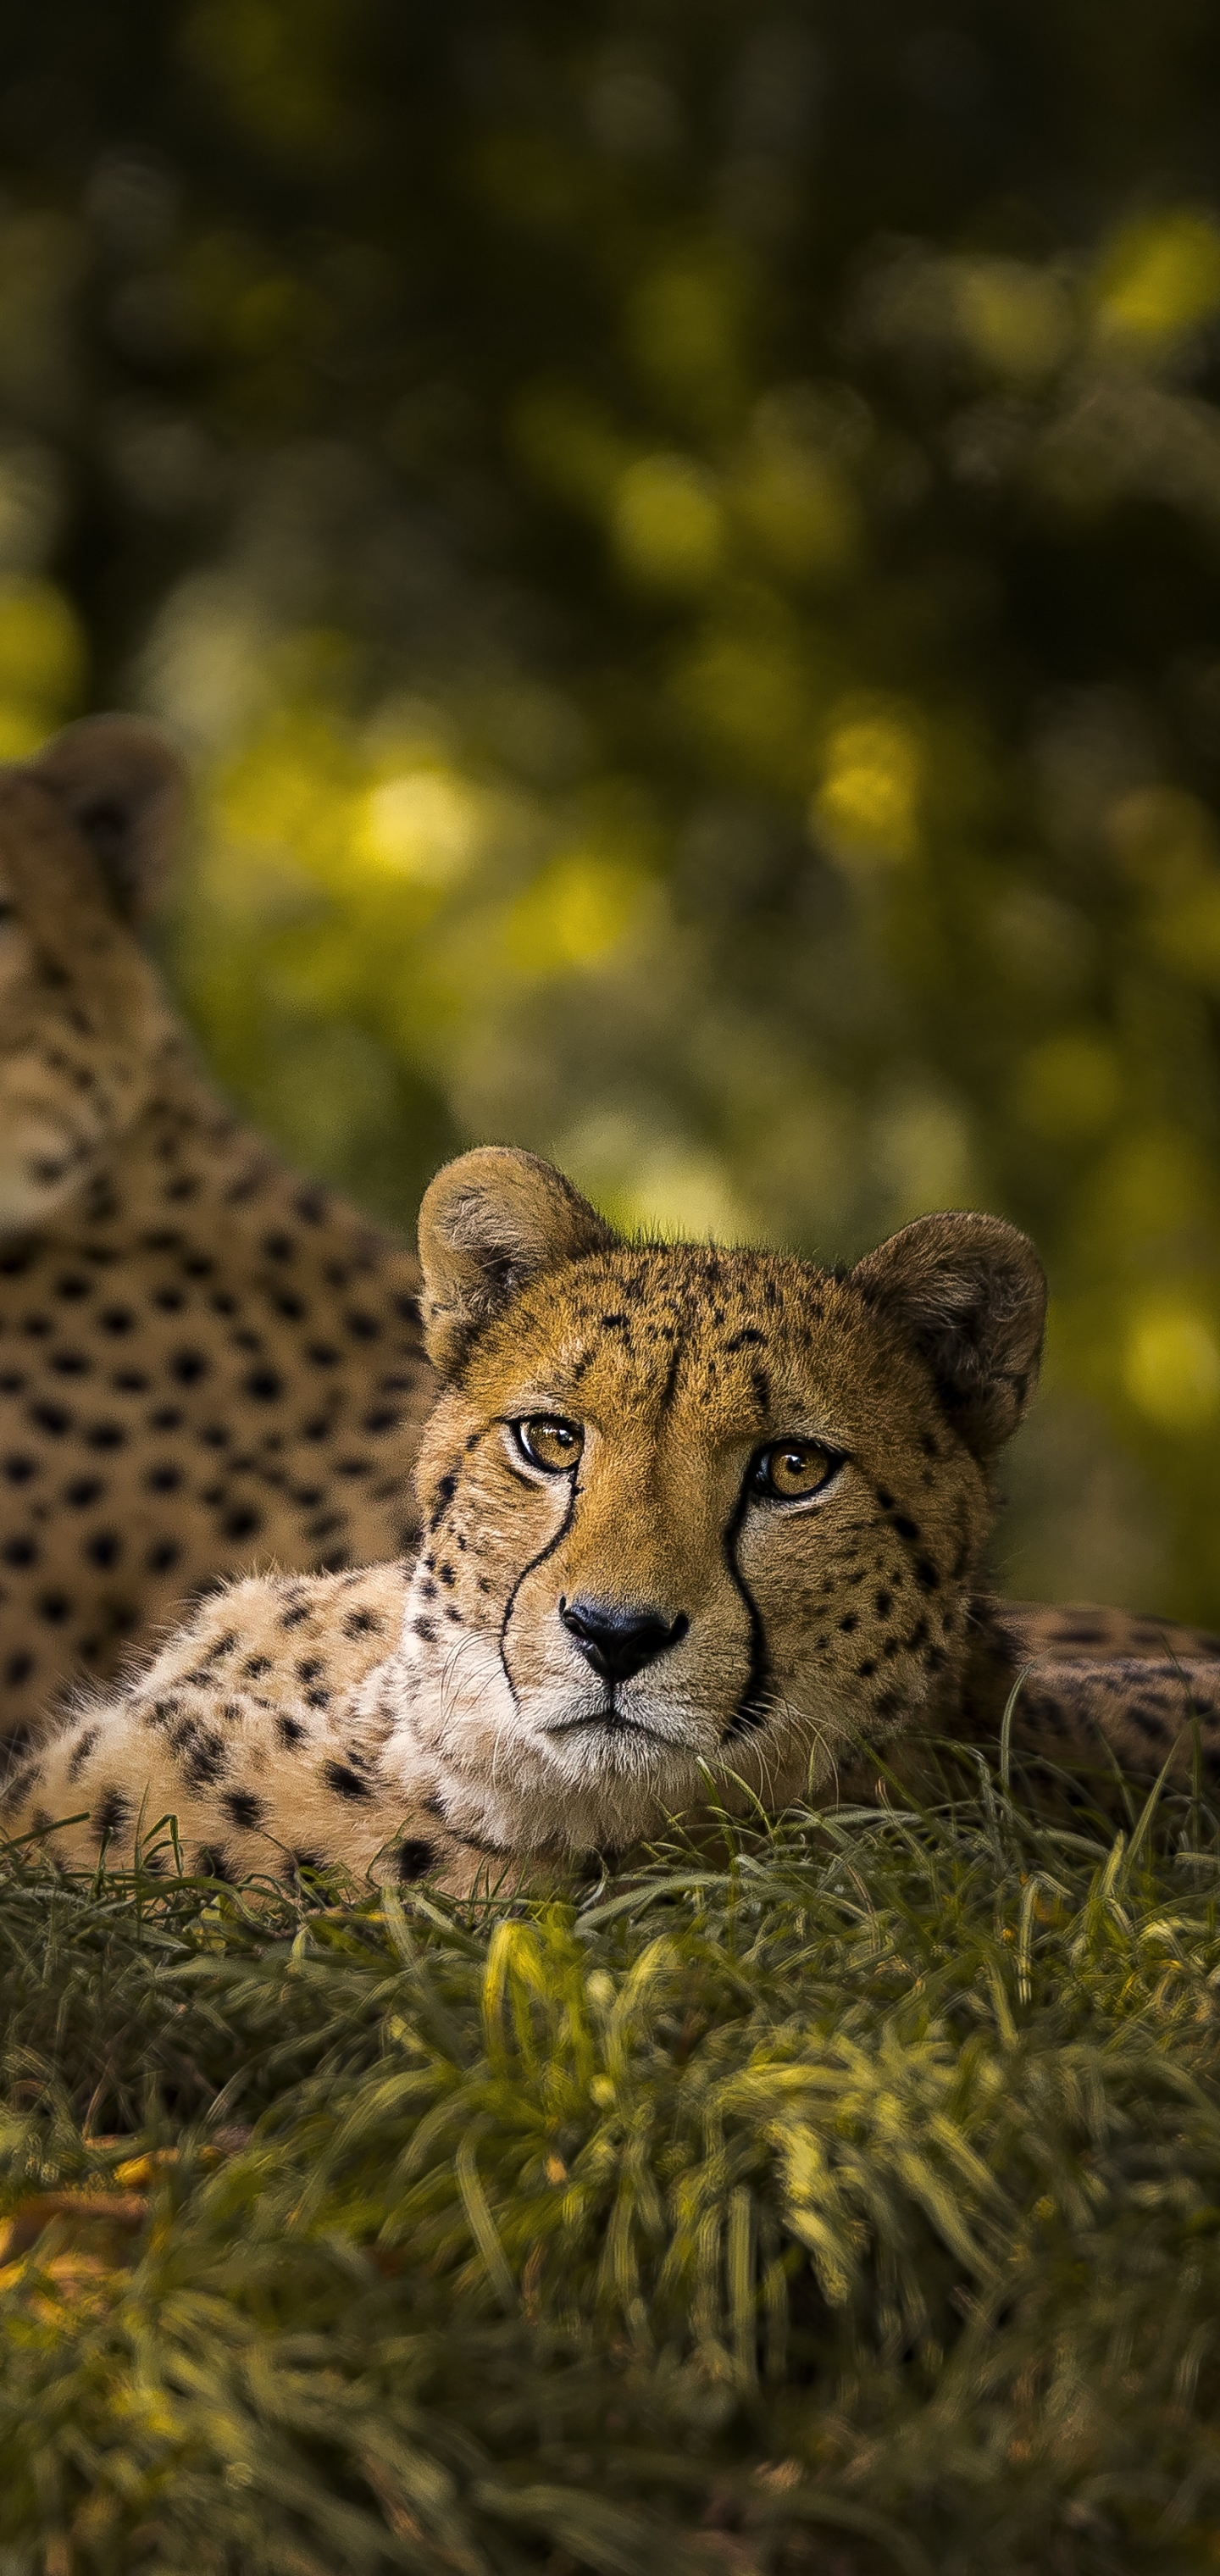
(458, 1720)
(204, 1363)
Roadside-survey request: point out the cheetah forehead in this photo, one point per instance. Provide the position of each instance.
(738, 1337)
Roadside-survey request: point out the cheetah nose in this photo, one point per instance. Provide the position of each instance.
(619, 1642)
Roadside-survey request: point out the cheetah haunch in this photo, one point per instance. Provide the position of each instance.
(204, 1364)
(696, 1521)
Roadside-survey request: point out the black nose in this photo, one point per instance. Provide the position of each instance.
(619, 1642)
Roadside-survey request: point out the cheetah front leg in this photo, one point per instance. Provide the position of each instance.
(249, 1748)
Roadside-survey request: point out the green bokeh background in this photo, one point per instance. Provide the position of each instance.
(681, 540)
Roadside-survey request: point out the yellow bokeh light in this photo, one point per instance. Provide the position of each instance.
(683, 327)
(802, 511)
(423, 824)
(42, 663)
(1171, 1365)
(1160, 280)
(668, 526)
(574, 914)
(1016, 319)
(866, 809)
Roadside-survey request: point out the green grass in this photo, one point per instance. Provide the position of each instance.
(854, 2209)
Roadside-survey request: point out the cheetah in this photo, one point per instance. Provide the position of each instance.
(701, 1528)
(206, 1363)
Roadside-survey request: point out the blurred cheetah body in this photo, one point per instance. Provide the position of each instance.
(695, 1521)
(203, 1363)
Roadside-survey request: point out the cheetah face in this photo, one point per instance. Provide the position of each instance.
(689, 1510)
(80, 1016)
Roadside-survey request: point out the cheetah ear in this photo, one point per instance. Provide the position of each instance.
(970, 1292)
(489, 1224)
(125, 789)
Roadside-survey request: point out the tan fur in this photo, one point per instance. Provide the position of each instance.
(450, 1720)
(204, 1364)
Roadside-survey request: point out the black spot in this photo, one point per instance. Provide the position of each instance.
(82, 1491)
(167, 1417)
(71, 1286)
(105, 1435)
(52, 1418)
(867, 1668)
(163, 1479)
(414, 1860)
(905, 1528)
(363, 1328)
(309, 1670)
(256, 1664)
(278, 1247)
(884, 1604)
(242, 1521)
(20, 1551)
(362, 1623)
(19, 1470)
(104, 1548)
(385, 1419)
(748, 1333)
(213, 1862)
(111, 1814)
(345, 1783)
(927, 1575)
(885, 1498)
(81, 1751)
(160, 1558)
(188, 1367)
(291, 1731)
(850, 1622)
(116, 1319)
(55, 1607)
(18, 1669)
(296, 1611)
(322, 1354)
(70, 1363)
(264, 1385)
(243, 1808)
(424, 1628)
(205, 1758)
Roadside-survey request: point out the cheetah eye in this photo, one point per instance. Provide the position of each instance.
(550, 1442)
(790, 1470)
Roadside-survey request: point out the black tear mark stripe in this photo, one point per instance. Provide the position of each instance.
(534, 1562)
(750, 1712)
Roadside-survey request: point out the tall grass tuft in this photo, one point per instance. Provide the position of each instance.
(852, 2207)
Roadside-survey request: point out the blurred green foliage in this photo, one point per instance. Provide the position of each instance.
(682, 538)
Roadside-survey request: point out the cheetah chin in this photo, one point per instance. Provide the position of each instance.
(703, 1529)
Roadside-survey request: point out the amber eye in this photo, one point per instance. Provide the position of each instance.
(792, 1469)
(548, 1441)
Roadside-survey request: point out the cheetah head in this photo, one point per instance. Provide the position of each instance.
(83, 830)
(688, 1509)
